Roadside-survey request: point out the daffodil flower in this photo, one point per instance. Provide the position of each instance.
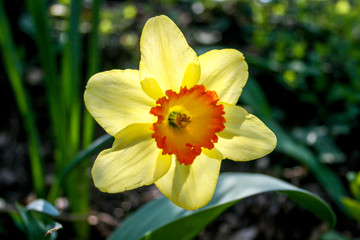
(174, 120)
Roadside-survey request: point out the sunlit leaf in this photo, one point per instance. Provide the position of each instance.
(160, 218)
(42, 206)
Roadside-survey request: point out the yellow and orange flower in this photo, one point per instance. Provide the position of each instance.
(174, 120)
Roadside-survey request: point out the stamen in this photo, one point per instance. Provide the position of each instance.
(179, 120)
(182, 120)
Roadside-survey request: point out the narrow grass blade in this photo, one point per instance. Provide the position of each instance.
(93, 60)
(13, 68)
(78, 193)
(46, 51)
(72, 77)
(161, 219)
(82, 155)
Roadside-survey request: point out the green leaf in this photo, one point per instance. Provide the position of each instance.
(47, 54)
(80, 157)
(43, 206)
(14, 70)
(353, 207)
(161, 218)
(33, 227)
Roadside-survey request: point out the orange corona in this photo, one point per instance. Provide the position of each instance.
(187, 121)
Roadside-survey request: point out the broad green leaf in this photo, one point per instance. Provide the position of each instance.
(42, 206)
(161, 218)
(33, 227)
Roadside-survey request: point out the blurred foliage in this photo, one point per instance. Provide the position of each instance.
(353, 204)
(303, 53)
(311, 44)
(35, 220)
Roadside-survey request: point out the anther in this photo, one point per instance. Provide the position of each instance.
(179, 120)
(182, 120)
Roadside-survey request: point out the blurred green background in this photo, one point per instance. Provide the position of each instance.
(303, 54)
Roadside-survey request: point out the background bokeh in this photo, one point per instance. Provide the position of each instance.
(304, 56)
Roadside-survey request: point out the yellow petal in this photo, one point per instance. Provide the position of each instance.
(152, 88)
(224, 71)
(213, 153)
(132, 162)
(190, 186)
(115, 99)
(165, 54)
(192, 75)
(245, 137)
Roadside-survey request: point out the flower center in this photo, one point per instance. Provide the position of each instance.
(187, 122)
(178, 120)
